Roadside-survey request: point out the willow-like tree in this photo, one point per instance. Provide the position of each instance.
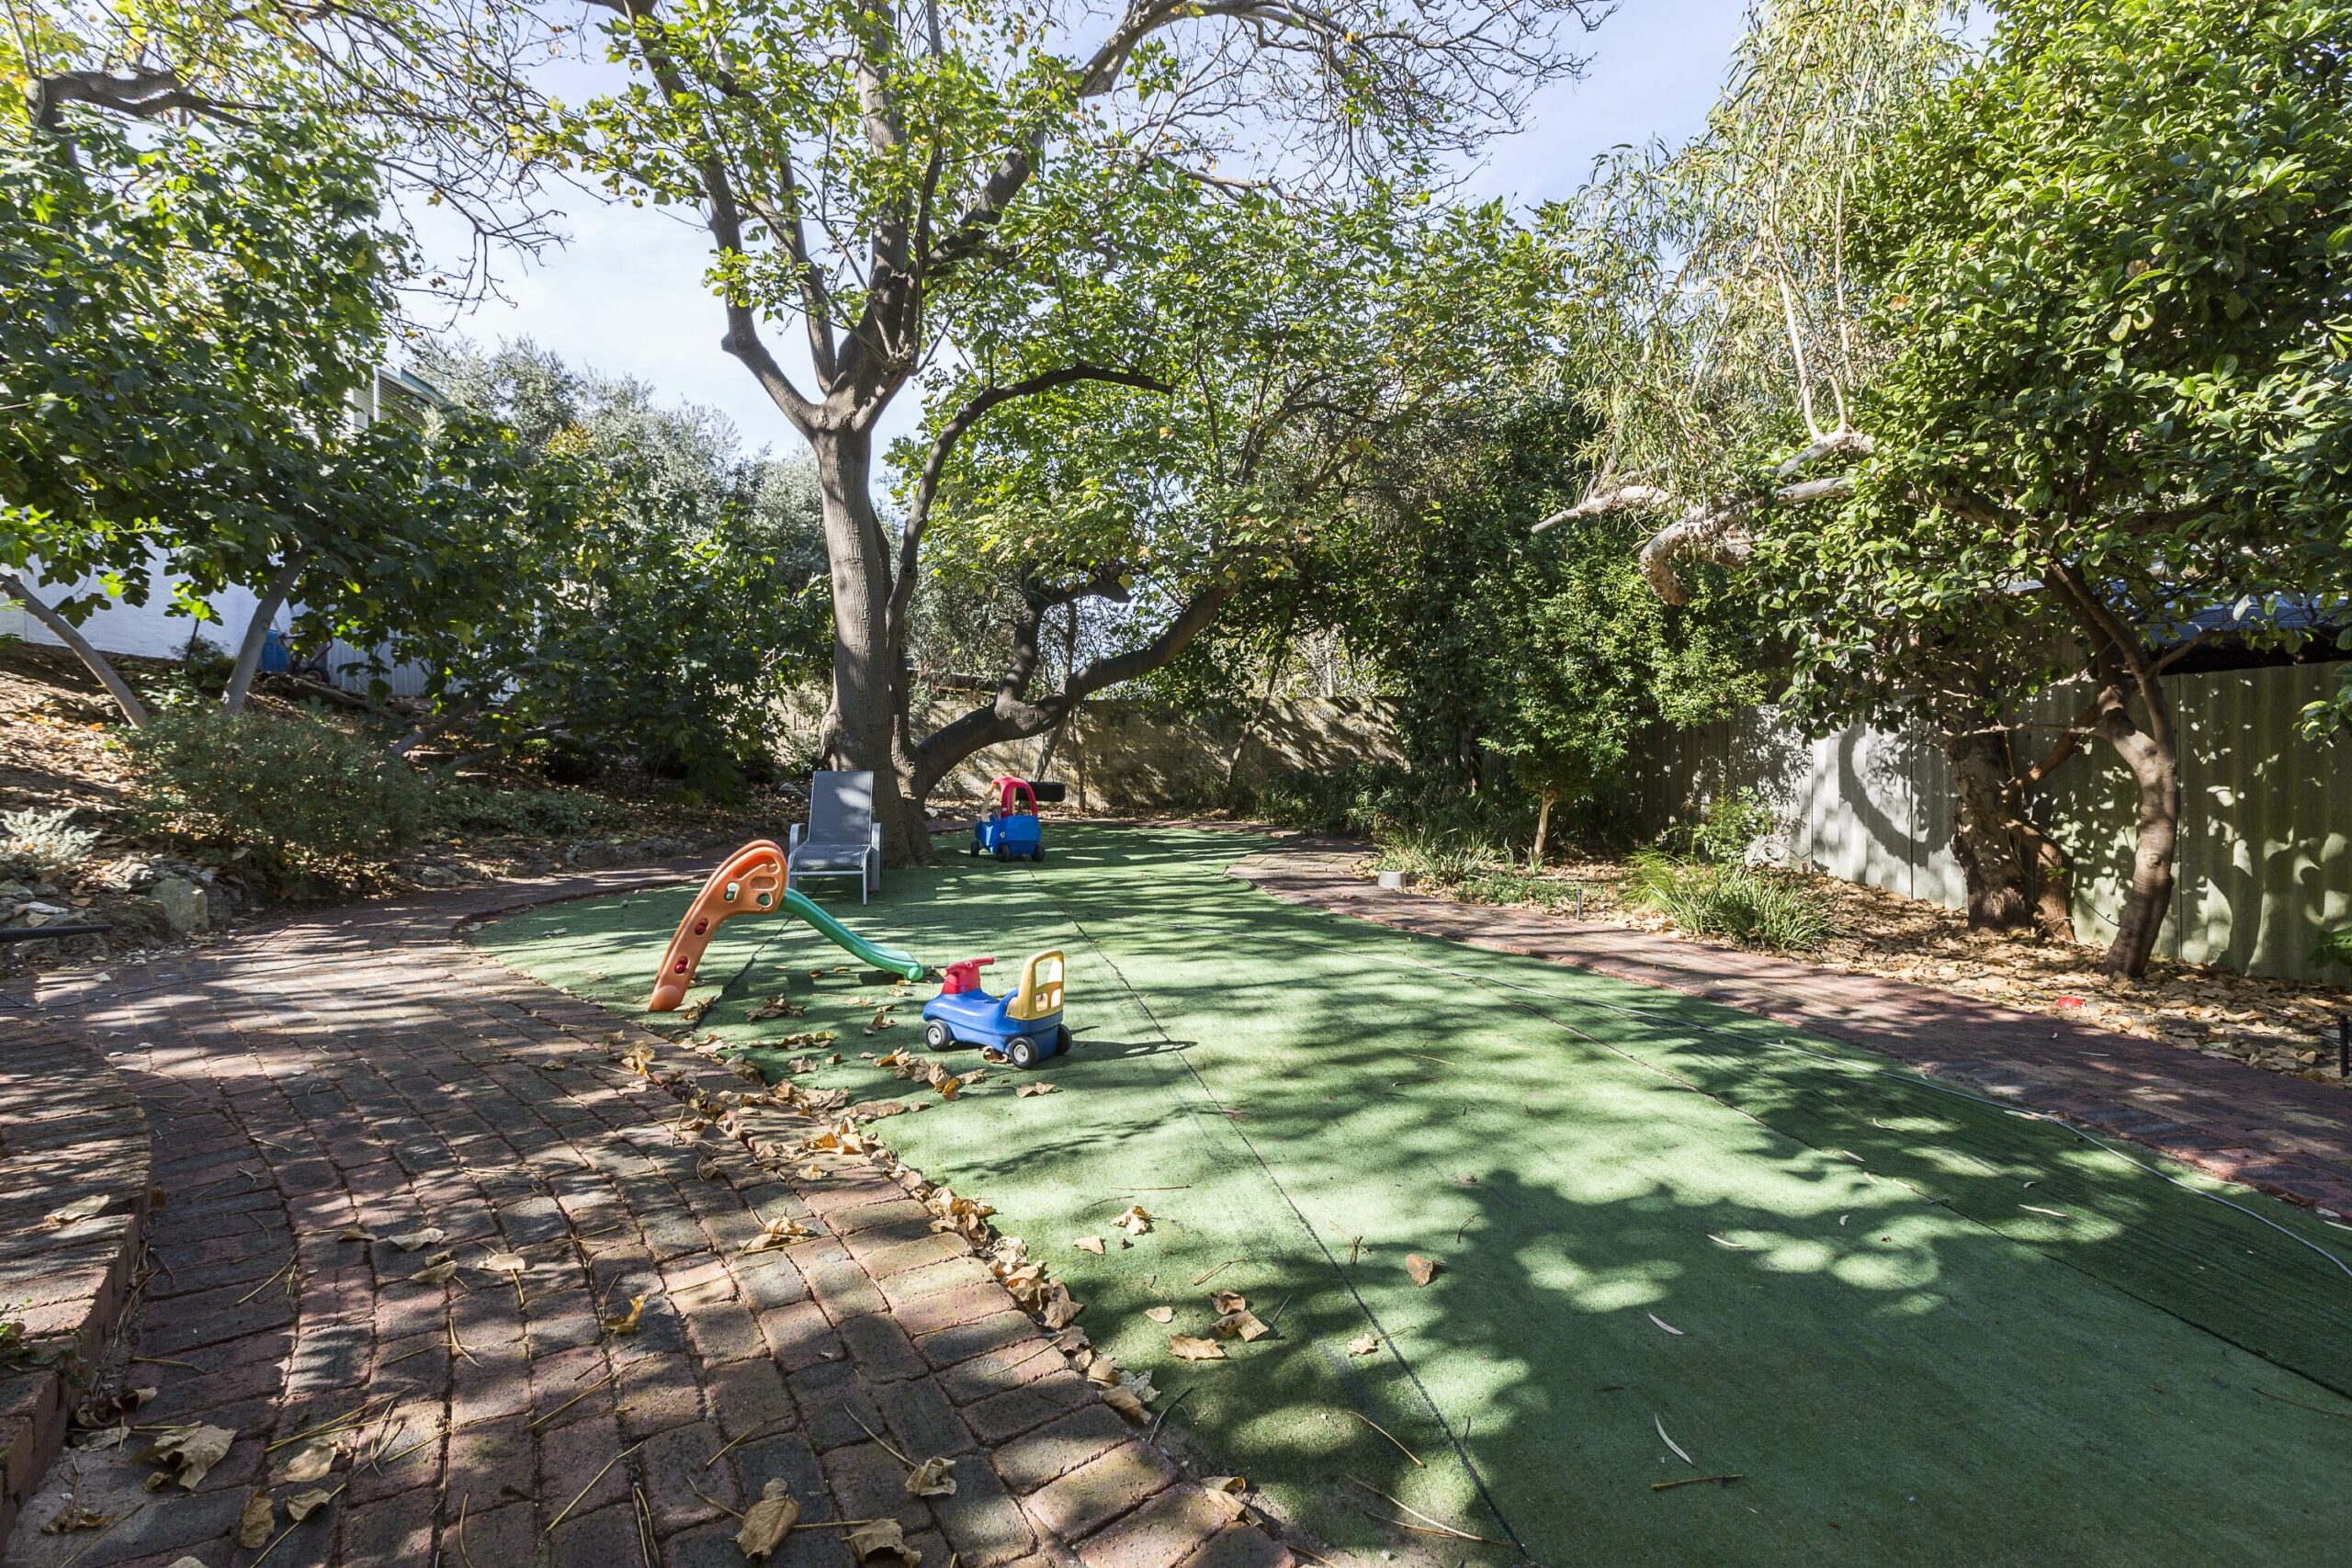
(878, 177)
(2060, 384)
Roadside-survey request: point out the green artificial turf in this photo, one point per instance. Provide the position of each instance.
(1922, 1328)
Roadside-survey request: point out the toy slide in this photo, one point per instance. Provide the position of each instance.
(754, 881)
(905, 964)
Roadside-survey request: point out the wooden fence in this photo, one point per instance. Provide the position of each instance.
(2266, 844)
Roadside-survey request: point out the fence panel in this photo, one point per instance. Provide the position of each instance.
(2266, 842)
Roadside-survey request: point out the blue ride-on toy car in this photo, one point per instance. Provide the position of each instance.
(1013, 827)
(1025, 1024)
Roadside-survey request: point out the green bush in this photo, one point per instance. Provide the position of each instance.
(1732, 822)
(537, 813)
(1396, 809)
(1755, 905)
(290, 800)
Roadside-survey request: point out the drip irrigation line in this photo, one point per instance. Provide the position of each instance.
(1469, 1466)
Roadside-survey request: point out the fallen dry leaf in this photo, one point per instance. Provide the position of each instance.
(1139, 1384)
(625, 1322)
(1161, 1313)
(431, 1236)
(1031, 1090)
(105, 1409)
(1228, 1301)
(311, 1462)
(1188, 1347)
(1058, 1311)
(1227, 1484)
(932, 1478)
(434, 1273)
(1363, 1344)
(1243, 1324)
(353, 1233)
(1102, 1372)
(1135, 1221)
(882, 1538)
(504, 1262)
(301, 1506)
(256, 1523)
(80, 1209)
(1123, 1399)
(1422, 1269)
(187, 1452)
(778, 1233)
(767, 1522)
(73, 1517)
(1092, 1244)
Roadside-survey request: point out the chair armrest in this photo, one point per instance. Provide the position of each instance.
(792, 840)
(873, 857)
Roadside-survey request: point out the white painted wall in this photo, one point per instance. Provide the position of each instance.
(149, 630)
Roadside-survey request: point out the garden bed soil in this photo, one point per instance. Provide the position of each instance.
(60, 747)
(2278, 1025)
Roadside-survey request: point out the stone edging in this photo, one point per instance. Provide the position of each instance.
(70, 1129)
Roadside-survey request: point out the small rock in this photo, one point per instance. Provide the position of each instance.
(185, 905)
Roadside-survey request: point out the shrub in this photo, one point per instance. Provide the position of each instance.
(1731, 823)
(538, 813)
(1754, 905)
(39, 843)
(289, 798)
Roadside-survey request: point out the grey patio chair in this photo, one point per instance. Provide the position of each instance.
(842, 839)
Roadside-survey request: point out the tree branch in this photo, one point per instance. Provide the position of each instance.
(70, 635)
(911, 533)
(1013, 718)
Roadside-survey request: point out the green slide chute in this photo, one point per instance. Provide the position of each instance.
(905, 964)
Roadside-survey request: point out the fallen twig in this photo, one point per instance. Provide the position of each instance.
(2315, 1409)
(1692, 1481)
(1205, 1278)
(1389, 1435)
(880, 1439)
(1160, 1419)
(1437, 1524)
(746, 1437)
(600, 1383)
(592, 1485)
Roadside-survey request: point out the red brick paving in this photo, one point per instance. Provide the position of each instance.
(69, 1130)
(2283, 1136)
(363, 1070)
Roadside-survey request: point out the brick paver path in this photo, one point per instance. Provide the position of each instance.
(364, 1074)
(74, 1154)
(2283, 1136)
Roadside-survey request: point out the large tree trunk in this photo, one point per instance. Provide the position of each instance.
(862, 728)
(1992, 858)
(266, 608)
(2152, 754)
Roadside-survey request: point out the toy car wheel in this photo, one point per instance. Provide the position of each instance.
(1021, 1052)
(1037, 854)
(1062, 1041)
(999, 852)
(936, 1036)
(971, 849)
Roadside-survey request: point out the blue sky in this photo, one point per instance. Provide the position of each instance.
(625, 296)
